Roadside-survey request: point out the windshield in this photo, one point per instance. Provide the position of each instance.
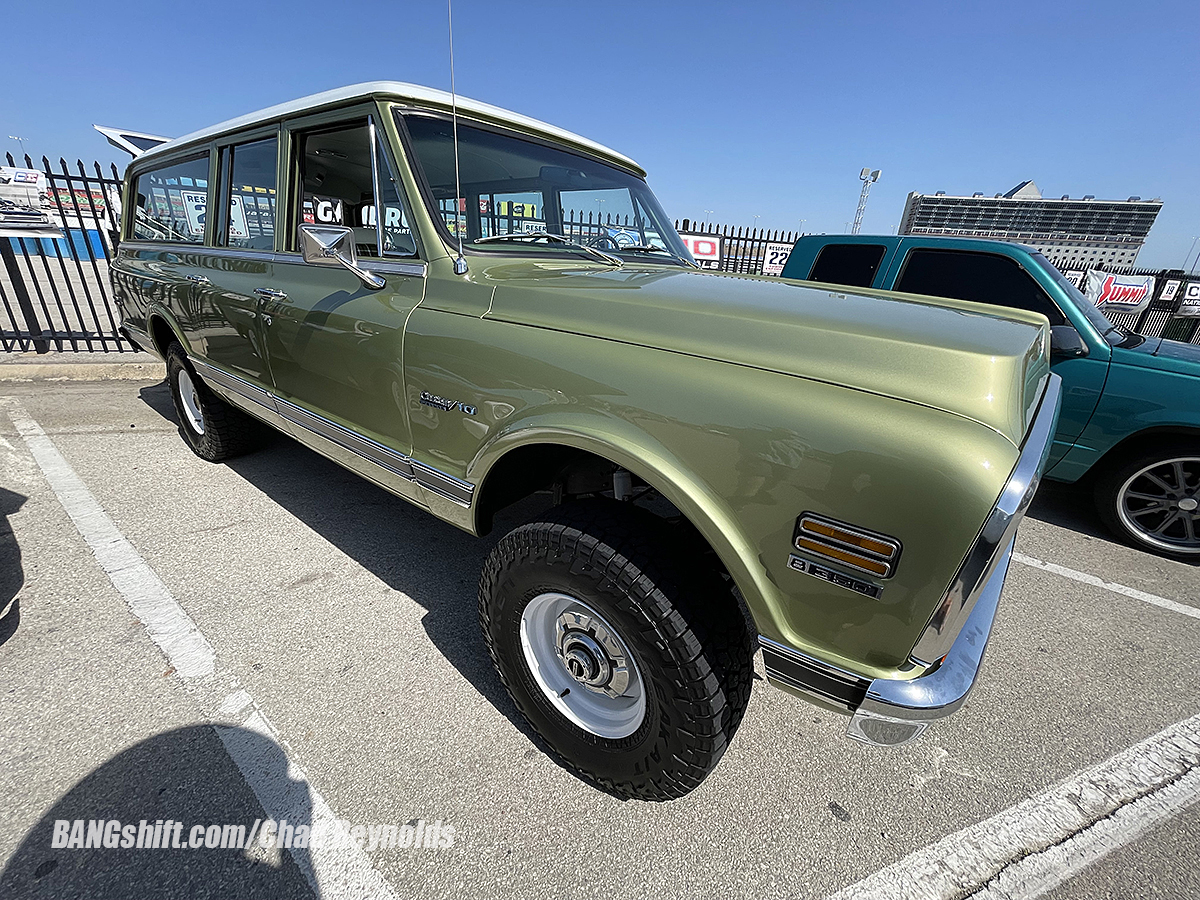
(1099, 320)
(513, 186)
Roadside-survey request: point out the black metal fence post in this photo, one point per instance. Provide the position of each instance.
(40, 344)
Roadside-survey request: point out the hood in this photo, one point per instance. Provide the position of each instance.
(964, 358)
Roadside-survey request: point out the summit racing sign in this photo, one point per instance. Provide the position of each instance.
(1119, 293)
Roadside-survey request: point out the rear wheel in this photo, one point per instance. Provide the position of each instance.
(211, 427)
(630, 659)
(1152, 500)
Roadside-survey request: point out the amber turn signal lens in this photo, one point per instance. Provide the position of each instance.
(865, 551)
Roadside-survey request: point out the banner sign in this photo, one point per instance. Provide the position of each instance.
(1170, 289)
(1119, 293)
(25, 211)
(775, 257)
(1190, 304)
(705, 248)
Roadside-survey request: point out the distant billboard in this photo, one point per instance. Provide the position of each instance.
(1119, 293)
(24, 204)
(705, 249)
(1189, 304)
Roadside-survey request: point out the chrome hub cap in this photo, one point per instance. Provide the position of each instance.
(189, 399)
(582, 666)
(1161, 504)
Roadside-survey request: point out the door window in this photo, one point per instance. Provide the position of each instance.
(979, 277)
(172, 203)
(250, 194)
(337, 178)
(854, 265)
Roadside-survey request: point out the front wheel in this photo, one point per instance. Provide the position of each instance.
(1152, 500)
(629, 658)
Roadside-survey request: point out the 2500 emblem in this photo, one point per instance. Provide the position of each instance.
(437, 402)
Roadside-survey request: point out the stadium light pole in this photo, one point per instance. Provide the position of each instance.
(21, 141)
(868, 177)
(1189, 253)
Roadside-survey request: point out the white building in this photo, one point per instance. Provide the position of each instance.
(1079, 233)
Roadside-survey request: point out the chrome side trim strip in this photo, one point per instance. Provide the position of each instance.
(453, 489)
(440, 483)
(790, 668)
(179, 247)
(233, 383)
(975, 573)
(370, 450)
(387, 266)
(141, 338)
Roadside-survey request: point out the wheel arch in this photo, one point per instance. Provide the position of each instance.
(505, 471)
(1141, 441)
(163, 329)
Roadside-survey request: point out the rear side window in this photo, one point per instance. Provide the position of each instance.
(248, 192)
(850, 264)
(172, 202)
(980, 277)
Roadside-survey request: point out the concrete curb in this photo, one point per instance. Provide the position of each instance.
(29, 367)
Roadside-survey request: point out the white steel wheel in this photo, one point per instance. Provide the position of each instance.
(189, 400)
(583, 667)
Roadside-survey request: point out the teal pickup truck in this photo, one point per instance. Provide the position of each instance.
(1130, 418)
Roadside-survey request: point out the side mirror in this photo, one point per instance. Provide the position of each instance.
(1066, 343)
(333, 245)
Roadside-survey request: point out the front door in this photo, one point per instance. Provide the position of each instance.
(335, 345)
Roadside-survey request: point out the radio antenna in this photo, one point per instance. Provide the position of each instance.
(460, 264)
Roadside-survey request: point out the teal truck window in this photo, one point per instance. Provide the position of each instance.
(980, 277)
(850, 264)
(172, 203)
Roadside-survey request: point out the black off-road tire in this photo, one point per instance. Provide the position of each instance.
(1115, 479)
(227, 431)
(677, 616)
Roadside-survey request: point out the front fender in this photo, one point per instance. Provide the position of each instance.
(741, 451)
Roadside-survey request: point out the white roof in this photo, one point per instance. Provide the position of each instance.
(402, 90)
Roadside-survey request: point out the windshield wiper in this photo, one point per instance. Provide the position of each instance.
(551, 236)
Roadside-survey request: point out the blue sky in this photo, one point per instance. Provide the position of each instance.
(747, 109)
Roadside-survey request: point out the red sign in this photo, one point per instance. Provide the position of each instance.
(703, 247)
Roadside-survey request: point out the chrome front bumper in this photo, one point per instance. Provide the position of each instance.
(950, 649)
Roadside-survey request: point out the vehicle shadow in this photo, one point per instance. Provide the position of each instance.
(438, 567)
(1068, 506)
(12, 573)
(185, 775)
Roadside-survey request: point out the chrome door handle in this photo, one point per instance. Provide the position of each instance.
(198, 279)
(271, 293)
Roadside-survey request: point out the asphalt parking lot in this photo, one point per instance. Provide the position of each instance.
(343, 621)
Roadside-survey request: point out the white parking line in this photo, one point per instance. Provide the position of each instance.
(1033, 847)
(337, 868)
(1085, 578)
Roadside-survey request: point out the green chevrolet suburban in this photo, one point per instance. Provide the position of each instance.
(1130, 422)
(469, 307)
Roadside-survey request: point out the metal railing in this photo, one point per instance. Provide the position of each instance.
(55, 292)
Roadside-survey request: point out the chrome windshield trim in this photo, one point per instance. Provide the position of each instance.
(998, 531)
